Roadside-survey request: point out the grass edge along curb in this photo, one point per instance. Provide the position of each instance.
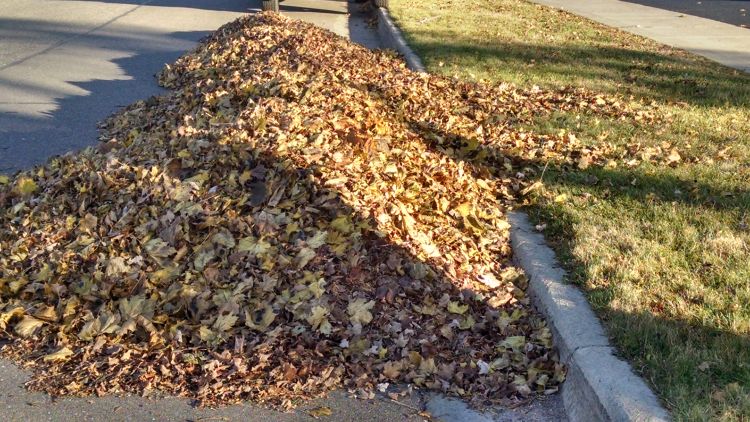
(391, 37)
(599, 386)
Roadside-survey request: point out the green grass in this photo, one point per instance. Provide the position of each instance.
(663, 252)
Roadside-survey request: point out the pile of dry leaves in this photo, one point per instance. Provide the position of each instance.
(298, 214)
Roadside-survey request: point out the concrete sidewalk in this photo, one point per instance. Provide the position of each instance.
(722, 42)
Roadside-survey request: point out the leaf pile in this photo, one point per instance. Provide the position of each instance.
(297, 214)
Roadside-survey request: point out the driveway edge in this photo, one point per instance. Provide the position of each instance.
(599, 386)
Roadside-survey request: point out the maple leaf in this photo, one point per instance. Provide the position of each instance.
(117, 266)
(304, 256)
(224, 238)
(106, 323)
(318, 240)
(159, 248)
(27, 326)
(457, 308)
(318, 319)
(61, 355)
(225, 322)
(392, 370)
(25, 186)
(359, 310)
(260, 318)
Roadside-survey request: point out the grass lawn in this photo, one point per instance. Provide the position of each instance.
(662, 251)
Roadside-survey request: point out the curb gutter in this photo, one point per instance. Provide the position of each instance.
(599, 386)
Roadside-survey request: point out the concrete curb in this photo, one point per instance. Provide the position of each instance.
(390, 37)
(599, 386)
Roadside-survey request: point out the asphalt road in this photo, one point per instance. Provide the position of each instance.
(733, 12)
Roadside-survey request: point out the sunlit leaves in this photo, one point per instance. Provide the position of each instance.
(27, 326)
(60, 355)
(26, 186)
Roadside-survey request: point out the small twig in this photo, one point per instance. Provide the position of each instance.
(543, 171)
(430, 19)
(405, 405)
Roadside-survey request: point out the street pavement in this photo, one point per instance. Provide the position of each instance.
(734, 12)
(725, 43)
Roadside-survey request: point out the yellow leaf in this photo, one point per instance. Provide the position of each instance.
(253, 245)
(5, 317)
(318, 319)
(26, 186)
(464, 209)
(225, 322)
(117, 266)
(46, 313)
(457, 308)
(392, 370)
(260, 318)
(561, 198)
(514, 342)
(4, 180)
(27, 326)
(304, 256)
(318, 240)
(224, 238)
(342, 224)
(427, 366)
(317, 288)
(320, 412)
(158, 248)
(59, 356)
(44, 274)
(359, 310)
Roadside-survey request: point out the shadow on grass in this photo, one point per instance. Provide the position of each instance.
(706, 367)
(664, 77)
(636, 184)
(699, 370)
